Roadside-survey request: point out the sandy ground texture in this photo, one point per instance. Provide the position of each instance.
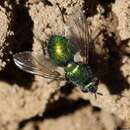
(30, 102)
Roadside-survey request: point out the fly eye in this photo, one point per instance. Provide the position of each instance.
(96, 81)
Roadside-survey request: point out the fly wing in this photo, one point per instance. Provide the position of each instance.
(78, 32)
(31, 64)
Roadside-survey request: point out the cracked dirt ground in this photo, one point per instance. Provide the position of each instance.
(28, 102)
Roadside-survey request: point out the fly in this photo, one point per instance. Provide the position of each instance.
(62, 50)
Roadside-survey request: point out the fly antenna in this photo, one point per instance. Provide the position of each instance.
(95, 95)
(99, 93)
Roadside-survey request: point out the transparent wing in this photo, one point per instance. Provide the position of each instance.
(31, 64)
(78, 32)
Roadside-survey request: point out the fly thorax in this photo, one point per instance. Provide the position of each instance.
(81, 74)
(59, 50)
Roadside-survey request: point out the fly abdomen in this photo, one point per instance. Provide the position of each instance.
(60, 51)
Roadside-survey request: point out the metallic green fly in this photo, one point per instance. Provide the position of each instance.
(62, 50)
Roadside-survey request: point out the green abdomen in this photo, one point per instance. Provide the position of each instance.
(60, 50)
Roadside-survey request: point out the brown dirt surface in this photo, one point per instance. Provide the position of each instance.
(30, 102)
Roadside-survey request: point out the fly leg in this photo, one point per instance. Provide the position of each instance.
(97, 33)
(44, 48)
(63, 19)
